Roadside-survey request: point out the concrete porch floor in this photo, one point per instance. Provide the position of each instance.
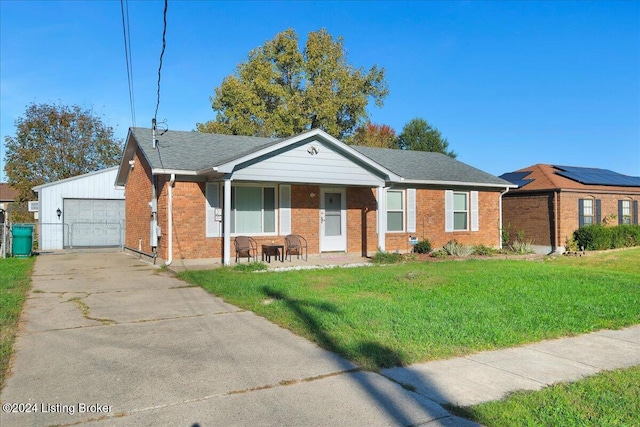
(325, 260)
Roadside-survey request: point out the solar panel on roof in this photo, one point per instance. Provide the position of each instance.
(516, 178)
(595, 176)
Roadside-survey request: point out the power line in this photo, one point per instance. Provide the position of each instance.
(127, 54)
(164, 45)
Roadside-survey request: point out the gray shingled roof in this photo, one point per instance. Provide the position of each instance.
(427, 166)
(194, 151)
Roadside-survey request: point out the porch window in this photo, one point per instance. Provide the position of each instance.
(253, 210)
(460, 211)
(395, 210)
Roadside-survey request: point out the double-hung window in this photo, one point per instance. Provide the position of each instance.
(253, 210)
(395, 210)
(460, 211)
(625, 211)
(587, 212)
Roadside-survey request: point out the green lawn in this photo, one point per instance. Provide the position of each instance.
(607, 399)
(15, 279)
(384, 316)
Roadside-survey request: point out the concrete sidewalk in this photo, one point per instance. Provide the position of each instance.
(107, 339)
(491, 375)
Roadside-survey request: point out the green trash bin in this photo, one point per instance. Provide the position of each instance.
(22, 240)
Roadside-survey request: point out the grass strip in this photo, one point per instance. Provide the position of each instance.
(607, 399)
(15, 280)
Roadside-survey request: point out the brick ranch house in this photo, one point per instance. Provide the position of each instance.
(551, 202)
(180, 193)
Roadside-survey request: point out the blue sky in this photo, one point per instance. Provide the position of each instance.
(508, 83)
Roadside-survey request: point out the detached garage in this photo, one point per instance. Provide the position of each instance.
(81, 212)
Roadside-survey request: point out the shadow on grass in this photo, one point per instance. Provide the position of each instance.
(372, 355)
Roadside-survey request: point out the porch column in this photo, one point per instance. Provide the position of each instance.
(226, 223)
(382, 218)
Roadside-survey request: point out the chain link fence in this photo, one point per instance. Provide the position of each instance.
(63, 236)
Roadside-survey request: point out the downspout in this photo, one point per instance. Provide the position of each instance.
(170, 219)
(506, 190)
(556, 226)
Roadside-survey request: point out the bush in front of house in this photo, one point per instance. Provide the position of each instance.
(386, 257)
(453, 248)
(597, 237)
(422, 247)
(483, 250)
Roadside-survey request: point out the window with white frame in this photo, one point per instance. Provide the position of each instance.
(395, 210)
(587, 211)
(460, 211)
(625, 211)
(253, 210)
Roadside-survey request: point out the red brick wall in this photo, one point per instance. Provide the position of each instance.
(189, 234)
(305, 219)
(430, 219)
(531, 214)
(138, 194)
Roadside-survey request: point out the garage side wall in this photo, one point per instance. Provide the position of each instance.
(530, 214)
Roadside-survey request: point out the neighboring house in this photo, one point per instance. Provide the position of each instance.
(7, 195)
(551, 202)
(189, 196)
(81, 211)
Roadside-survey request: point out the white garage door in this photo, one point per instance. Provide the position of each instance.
(94, 222)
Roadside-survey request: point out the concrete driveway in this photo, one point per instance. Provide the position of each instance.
(107, 339)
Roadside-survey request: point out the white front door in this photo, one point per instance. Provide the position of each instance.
(333, 220)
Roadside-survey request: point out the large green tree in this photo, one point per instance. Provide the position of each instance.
(54, 142)
(419, 135)
(280, 91)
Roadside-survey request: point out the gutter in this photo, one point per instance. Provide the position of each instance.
(170, 219)
(456, 183)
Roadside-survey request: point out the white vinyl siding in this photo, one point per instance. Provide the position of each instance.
(313, 163)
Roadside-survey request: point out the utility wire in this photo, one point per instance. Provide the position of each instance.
(164, 45)
(127, 54)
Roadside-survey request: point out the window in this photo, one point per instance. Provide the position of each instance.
(624, 208)
(587, 211)
(253, 210)
(460, 211)
(395, 210)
